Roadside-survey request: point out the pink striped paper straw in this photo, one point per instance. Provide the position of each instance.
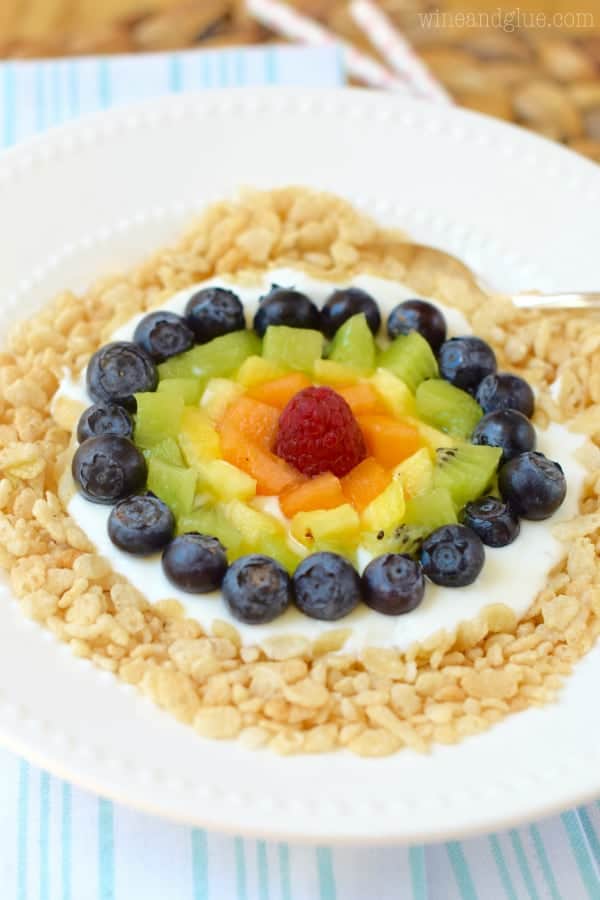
(396, 50)
(286, 21)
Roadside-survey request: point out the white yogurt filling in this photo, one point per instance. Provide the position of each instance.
(511, 575)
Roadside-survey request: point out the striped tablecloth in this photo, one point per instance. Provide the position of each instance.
(61, 843)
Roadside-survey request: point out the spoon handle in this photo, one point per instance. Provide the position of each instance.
(584, 300)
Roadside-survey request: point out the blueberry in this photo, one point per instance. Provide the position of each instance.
(257, 589)
(108, 468)
(214, 311)
(493, 520)
(163, 334)
(195, 563)
(465, 362)
(118, 371)
(393, 584)
(452, 556)
(534, 485)
(421, 316)
(141, 525)
(326, 586)
(501, 390)
(344, 304)
(285, 306)
(104, 418)
(505, 428)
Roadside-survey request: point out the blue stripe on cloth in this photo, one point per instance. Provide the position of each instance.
(104, 83)
(223, 70)
(240, 69)
(542, 856)
(175, 73)
(284, 872)
(523, 865)
(271, 66)
(326, 875)
(9, 103)
(65, 838)
(206, 78)
(199, 864)
(590, 833)
(262, 865)
(581, 853)
(502, 867)
(461, 870)
(44, 836)
(240, 868)
(106, 851)
(73, 89)
(23, 831)
(418, 875)
(40, 102)
(55, 97)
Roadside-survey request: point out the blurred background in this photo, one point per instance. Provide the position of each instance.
(535, 62)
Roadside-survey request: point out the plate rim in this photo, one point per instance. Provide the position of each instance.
(65, 138)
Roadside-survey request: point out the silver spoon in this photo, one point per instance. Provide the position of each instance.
(528, 300)
(583, 300)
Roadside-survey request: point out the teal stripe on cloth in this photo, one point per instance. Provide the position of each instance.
(44, 836)
(284, 872)
(41, 114)
(502, 867)
(523, 865)
(462, 873)
(23, 831)
(73, 89)
(590, 833)
(262, 864)
(8, 100)
(65, 839)
(581, 853)
(175, 74)
(104, 83)
(271, 65)
(106, 851)
(199, 864)
(544, 862)
(55, 95)
(418, 874)
(327, 889)
(240, 868)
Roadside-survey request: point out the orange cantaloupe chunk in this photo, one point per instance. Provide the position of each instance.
(273, 475)
(364, 482)
(279, 392)
(257, 422)
(321, 492)
(389, 440)
(363, 399)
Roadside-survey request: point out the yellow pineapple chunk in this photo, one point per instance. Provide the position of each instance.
(224, 481)
(198, 439)
(327, 527)
(219, 393)
(433, 438)
(386, 510)
(394, 393)
(251, 523)
(334, 374)
(256, 370)
(415, 473)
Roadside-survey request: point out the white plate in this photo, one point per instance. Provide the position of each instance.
(100, 194)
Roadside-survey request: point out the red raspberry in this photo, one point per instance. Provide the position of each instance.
(318, 433)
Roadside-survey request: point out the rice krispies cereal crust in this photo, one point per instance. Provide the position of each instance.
(290, 694)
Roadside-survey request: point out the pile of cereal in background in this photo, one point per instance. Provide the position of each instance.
(539, 69)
